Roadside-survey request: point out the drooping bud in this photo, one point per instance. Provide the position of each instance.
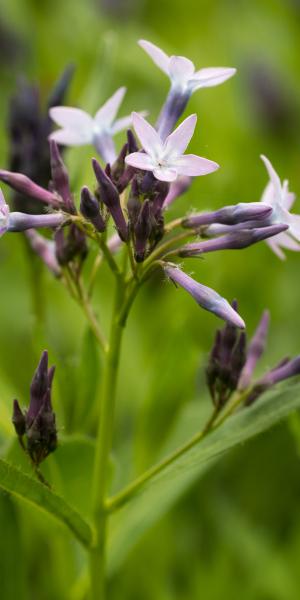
(25, 186)
(255, 351)
(89, 208)
(232, 241)
(110, 197)
(60, 177)
(204, 296)
(229, 215)
(45, 249)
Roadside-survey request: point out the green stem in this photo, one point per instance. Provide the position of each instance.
(103, 448)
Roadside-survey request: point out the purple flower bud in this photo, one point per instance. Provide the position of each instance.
(229, 215)
(110, 197)
(18, 221)
(142, 231)
(60, 177)
(89, 208)
(18, 419)
(255, 351)
(232, 241)
(177, 188)
(131, 142)
(204, 296)
(24, 185)
(287, 370)
(38, 388)
(45, 249)
(71, 245)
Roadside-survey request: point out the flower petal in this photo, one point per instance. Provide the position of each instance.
(147, 135)
(105, 116)
(273, 245)
(181, 69)
(177, 142)
(286, 241)
(268, 195)
(139, 160)
(121, 124)
(211, 77)
(73, 119)
(294, 226)
(273, 177)
(165, 174)
(4, 208)
(159, 57)
(67, 137)
(288, 198)
(193, 165)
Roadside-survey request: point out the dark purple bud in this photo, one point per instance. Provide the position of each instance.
(38, 388)
(161, 192)
(287, 370)
(177, 188)
(131, 142)
(89, 208)
(229, 215)
(18, 221)
(204, 296)
(142, 231)
(232, 241)
(60, 88)
(255, 351)
(18, 419)
(110, 197)
(70, 245)
(45, 249)
(133, 204)
(24, 185)
(60, 177)
(172, 110)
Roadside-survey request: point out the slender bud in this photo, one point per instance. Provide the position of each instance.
(232, 241)
(229, 215)
(18, 419)
(60, 177)
(255, 350)
(142, 231)
(89, 208)
(24, 185)
(71, 245)
(110, 197)
(171, 111)
(204, 296)
(287, 370)
(45, 249)
(18, 221)
(38, 388)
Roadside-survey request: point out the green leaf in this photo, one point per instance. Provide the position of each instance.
(22, 486)
(157, 495)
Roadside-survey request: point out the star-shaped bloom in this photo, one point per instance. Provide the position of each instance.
(79, 128)
(165, 158)
(181, 70)
(278, 196)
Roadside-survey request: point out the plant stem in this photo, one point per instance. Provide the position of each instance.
(103, 448)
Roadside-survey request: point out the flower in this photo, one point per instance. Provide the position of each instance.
(166, 159)
(204, 296)
(4, 214)
(277, 195)
(181, 70)
(79, 128)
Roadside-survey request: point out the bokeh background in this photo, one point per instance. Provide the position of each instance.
(237, 532)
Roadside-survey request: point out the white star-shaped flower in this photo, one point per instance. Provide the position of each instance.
(165, 158)
(181, 70)
(79, 128)
(278, 196)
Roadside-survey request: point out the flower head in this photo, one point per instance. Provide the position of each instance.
(181, 70)
(166, 159)
(277, 195)
(79, 128)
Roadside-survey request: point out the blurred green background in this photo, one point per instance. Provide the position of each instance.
(237, 532)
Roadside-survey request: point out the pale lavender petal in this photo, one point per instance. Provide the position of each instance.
(181, 69)
(178, 141)
(273, 245)
(121, 124)
(69, 137)
(73, 119)
(193, 165)
(288, 198)
(165, 174)
(140, 160)
(286, 241)
(147, 135)
(159, 57)
(211, 77)
(105, 116)
(294, 226)
(273, 175)
(4, 208)
(268, 195)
